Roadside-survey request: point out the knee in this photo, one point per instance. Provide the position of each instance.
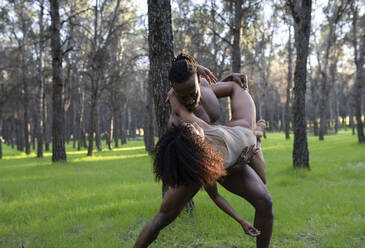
(163, 219)
(265, 206)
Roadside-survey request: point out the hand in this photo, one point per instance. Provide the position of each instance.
(207, 74)
(247, 154)
(239, 78)
(260, 129)
(249, 229)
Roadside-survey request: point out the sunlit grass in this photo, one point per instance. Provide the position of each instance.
(104, 201)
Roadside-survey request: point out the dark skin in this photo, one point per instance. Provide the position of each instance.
(240, 179)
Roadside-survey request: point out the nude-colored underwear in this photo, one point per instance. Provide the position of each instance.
(236, 139)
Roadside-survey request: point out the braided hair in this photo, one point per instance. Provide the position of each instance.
(183, 66)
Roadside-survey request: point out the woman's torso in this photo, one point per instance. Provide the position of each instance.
(230, 141)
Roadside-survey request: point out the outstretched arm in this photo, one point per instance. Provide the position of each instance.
(239, 78)
(224, 205)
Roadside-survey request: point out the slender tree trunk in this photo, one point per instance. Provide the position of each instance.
(97, 130)
(148, 119)
(123, 125)
(19, 135)
(92, 125)
(80, 131)
(323, 106)
(45, 122)
(117, 129)
(25, 90)
(236, 52)
(301, 11)
(352, 124)
(1, 138)
(110, 135)
(288, 89)
(13, 135)
(58, 127)
(359, 79)
(41, 84)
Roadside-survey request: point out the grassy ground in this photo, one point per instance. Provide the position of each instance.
(104, 201)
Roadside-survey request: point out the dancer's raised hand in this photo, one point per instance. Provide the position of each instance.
(207, 74)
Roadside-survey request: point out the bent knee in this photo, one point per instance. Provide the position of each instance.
(163, 219)
(265, 205)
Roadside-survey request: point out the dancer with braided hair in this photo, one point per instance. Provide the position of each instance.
(195, 154)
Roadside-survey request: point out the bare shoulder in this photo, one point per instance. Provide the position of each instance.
(204, 83)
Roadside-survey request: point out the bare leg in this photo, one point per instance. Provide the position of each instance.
(243, 181)
(173, 202)
(258, 163)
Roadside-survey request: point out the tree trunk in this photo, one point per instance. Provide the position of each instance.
(110, 134)
(80, 120)
(97, 130)
(123, 125)
(117, 129)
(1, 138)
(92, 125)
(58, 127)
(45, 122)
(236, 52)
(19, 135)
(288, 89)
(41, 85)
(324, 97)
(148, 119)
(359, 79)
(160, 43)
(301, 11)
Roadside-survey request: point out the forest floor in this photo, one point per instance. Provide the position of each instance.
(104, 201)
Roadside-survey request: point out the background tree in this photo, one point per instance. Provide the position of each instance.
(160, 57)
(58, 137)
(358, 41)
(301, 12)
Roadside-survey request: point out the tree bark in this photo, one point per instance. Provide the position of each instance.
(92, 124)
(148, 119)
(58, 127)
(359, 79)
(288, 89)
(301, 11)
(80, 120)
(236, 52)
(97, 130)
(41, 84)
(117, 129)
(1, 138)
(19, 135)
(160, 43)
(110, 134)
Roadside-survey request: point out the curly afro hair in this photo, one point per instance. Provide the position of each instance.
(183, 66)
(182, 157)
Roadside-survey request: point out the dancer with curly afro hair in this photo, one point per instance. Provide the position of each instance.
(196, 154)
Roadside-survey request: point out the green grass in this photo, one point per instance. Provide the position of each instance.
(105, 201)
